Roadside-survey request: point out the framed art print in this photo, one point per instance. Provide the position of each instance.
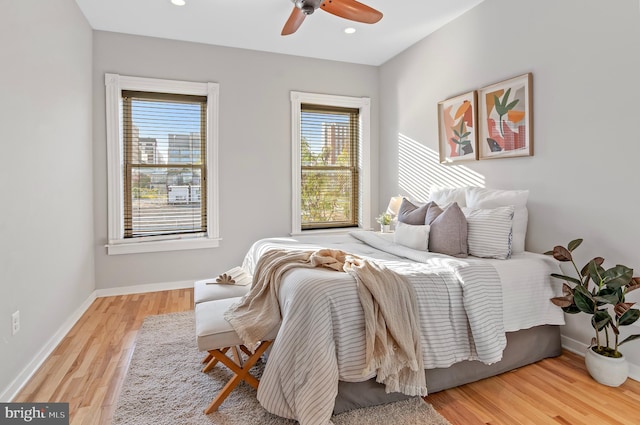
(457, 128)
(505, 118)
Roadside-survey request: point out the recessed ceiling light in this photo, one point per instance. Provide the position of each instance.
(179, 2)
(349, 30)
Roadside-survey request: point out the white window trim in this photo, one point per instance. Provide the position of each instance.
(117, 244)
(364, 105)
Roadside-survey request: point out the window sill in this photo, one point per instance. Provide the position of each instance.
(122, 247)
(338, 231)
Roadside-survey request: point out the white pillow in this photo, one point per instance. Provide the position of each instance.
(492, 198)
(412, 236)
(489, 232)
(447, 196)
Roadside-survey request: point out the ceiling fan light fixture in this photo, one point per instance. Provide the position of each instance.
(351, 10)
(307, 9)
(349, 30)
(178, 2)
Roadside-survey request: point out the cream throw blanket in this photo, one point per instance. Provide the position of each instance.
(392, 329)
(391, 314)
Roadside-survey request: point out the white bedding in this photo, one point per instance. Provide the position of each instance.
(526, 282)
(321, 336)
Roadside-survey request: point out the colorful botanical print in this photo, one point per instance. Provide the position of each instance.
(505, 121)
(505, 118)
(457, 128)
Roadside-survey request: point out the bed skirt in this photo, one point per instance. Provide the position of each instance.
(523, 347)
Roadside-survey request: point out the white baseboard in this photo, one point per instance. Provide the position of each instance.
(23, 377)
(580, 348)
(140, 289)
(574, 346)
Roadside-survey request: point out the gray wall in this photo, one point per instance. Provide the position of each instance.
(255, 143)
(583, 178)
(46, 219)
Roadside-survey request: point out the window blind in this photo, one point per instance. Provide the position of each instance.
(329, 166)
(164, 151)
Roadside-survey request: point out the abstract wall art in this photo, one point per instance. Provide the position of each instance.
(457, 128)
(505, 118)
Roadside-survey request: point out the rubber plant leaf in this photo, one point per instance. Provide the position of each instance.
(615, 328)
(622, 308)
(606, 299)
(565, 301)
(582, 299)
(585, 270)
(595, 272)
(574, 244)
(634, 284)
(561, 253)
(600, 320)
(617, 277)
(569, 278)
(629, 317)
(572, 309)
(609, 296)
(630, 338)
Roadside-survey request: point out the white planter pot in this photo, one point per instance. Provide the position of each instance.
(606, 370)
(385, 228)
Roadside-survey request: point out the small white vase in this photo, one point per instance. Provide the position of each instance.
(606, 370)
(385, 228)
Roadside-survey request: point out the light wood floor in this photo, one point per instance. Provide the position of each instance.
(88, 367)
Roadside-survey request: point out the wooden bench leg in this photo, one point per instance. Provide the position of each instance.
(212, 360)
(236, 354)
(241, 372)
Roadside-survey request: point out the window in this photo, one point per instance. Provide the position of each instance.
(162, 147)
(330, 162)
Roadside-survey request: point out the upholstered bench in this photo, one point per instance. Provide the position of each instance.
(210, 290)
(216, 336)
(207, 290)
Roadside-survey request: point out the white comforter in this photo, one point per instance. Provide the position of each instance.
(462, 305)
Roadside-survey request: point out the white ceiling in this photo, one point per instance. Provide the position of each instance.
(256, 25)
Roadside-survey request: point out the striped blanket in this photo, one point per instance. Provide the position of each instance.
(322, 340)
(392, 332)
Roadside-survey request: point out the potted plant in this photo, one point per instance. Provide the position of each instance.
(593, 291)
(385, 222)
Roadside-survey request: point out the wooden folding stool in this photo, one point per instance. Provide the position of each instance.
(216, 336)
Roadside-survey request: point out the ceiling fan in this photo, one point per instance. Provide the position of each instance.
(347, 9)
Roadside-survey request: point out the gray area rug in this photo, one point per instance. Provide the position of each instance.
(165, 385)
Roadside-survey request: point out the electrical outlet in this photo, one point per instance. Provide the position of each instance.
(15, 322)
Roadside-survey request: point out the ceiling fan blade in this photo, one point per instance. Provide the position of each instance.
(293, 23)
(352, 10)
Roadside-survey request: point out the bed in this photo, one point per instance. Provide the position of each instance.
(479, 318)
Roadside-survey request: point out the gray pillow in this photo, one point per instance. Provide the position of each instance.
(448, 233)
(412, 214)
